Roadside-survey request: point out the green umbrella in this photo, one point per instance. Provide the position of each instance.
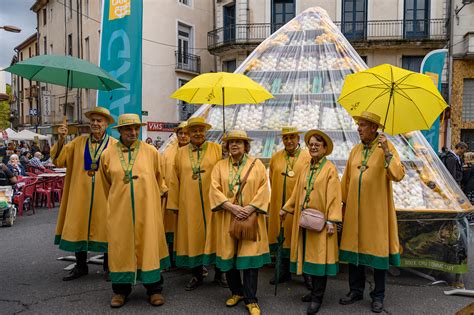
(66, 71)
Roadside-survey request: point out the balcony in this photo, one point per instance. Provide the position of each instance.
(187, 63)
(469, 44)
(360, 34)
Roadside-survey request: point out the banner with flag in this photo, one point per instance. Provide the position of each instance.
(432, 65)
(121, 55)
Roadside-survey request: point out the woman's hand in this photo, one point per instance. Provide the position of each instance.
(245, 212)
(234, 209)
(330, 228)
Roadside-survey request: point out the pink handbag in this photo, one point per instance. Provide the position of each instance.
(312, 219)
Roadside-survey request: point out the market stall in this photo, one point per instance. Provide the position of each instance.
(303, 65)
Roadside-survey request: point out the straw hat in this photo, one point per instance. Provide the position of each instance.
(198, 121)
(288, 130)
(100, 111)
(181, 125)
(236, 135)
(327, 139)
(127, 120)
(374, 118)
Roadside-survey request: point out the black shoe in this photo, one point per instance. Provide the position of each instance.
(193, 284)
(76, 273)
(283, 278)
(221, 280)
(377, 306)
(107, 275)
(351, 298)
(313, 308)
(306, 298)
(308, 282)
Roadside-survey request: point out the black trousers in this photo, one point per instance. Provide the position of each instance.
(126, 288)
(81, 261)
(357, 281)
(248, 289)
(197, 272)
(319, 287)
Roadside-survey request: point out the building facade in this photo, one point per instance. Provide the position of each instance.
(462, 73)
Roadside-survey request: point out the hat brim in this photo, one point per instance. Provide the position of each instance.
(357, 118)
(109, 118)
(291, 133)
(129, 124)
(206, 125)
(327, 139)
(236, 138)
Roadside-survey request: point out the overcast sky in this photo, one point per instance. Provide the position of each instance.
(17, 13)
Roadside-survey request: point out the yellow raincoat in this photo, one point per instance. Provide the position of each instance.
(315, 253)
(170, 218)
(191, 197)
(282, 187)
(370, 231)
(221, 248)
(83, 210)
(137, 243)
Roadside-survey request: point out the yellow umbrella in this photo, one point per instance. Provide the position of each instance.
(222, 88)
(405, 100)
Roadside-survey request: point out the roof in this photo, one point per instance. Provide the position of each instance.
(30, 40)
(38, 5)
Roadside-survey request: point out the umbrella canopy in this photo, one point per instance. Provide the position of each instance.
(65, 71)
(222, 88)
(405, 100)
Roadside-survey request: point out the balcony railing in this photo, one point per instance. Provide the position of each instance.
(188, 62)
(376, 30)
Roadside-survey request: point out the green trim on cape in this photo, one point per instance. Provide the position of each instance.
(189, 261)
(316, 269)
(370, 260)
(150, 276)
(241, 263)
(81, 246)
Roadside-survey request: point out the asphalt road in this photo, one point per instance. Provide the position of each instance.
(31, 283)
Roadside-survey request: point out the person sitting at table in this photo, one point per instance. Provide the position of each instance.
(25, 159)
(7, 178)
(15, 166)
(35, 162)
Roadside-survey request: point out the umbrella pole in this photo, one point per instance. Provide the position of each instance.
(65, 104)
(223, 111)
(388, 107)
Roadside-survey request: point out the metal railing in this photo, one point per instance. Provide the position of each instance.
(410, 30)
(187, 62)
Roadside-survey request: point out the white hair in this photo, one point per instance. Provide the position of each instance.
(13, 156)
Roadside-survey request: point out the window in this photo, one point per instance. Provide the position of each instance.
(229, 65)
(29, 52)
(21, 56)
(44, 16)
(51, 49)
(45, 45)
(185, 110)
(416, 18)
(412, 63)
(69, 44)
(86, 4)
(468, 100)
(88, 49)
(70, 9)
(229, 22)
(282, 12)
(185, 2)
(354, 19)
(184, 43)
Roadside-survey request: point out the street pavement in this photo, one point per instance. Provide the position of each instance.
(31, 283)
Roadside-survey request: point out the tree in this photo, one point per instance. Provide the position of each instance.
(5, 110)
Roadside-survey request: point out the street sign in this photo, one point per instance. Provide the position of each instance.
(161, 126)
(33, 112)
(144, 113)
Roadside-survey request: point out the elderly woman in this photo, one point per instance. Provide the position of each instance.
(238, 173)
(318, 187)
(15, 166)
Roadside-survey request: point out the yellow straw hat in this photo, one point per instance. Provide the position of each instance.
(198, 121)
(127, 120)
(374, 118)
(327, 139)
(100, 111)
(288, 130)
(181, 125)
(236, 135)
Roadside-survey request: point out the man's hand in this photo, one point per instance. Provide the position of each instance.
(383, 143)
(330, 228)
(245, 212)
(234, 209)
(282, 215)
(62, 131)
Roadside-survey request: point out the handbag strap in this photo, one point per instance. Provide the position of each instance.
(243, 182)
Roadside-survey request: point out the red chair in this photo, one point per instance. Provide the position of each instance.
(44, 192)
(49, 171)
(27, 191)
(31, 174)
(57, 189)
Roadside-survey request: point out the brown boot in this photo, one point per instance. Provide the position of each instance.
(117, 301)
(157, 299)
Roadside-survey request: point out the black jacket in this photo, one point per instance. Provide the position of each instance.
(454, 166)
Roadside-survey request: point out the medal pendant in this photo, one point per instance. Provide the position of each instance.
(94, 166)
(363, 168)
(195, 176)
(126, 179)
(291, 174)
(230, 194)
(90, 173)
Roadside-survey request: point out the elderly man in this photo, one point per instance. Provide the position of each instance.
(169, 155)
(82, 214)
(36, 161)
(285, 166)
(453, 161)
(133, 183)
(189, 197)
(370, 233)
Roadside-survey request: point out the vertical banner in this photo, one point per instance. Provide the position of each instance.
(121, 55)
(432, 65)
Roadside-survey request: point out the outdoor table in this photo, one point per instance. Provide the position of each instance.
(51, 175)
(59, 170)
